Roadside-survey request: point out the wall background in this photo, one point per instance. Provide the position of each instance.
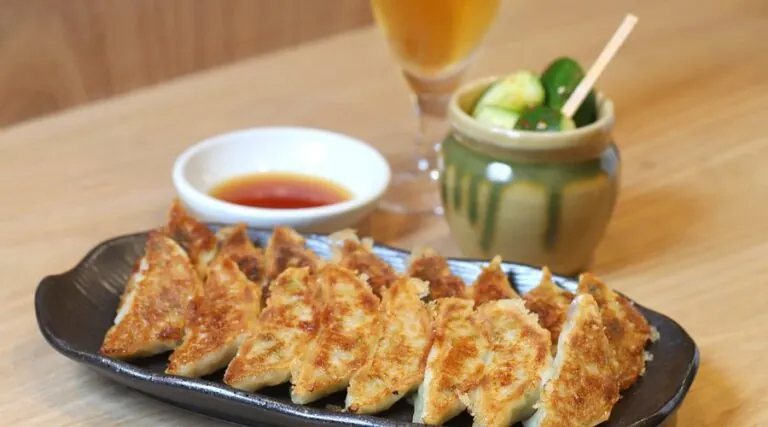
(56, 54)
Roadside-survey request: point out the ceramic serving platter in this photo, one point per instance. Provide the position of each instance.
(75, 309)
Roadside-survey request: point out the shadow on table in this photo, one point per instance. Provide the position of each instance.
(71, 393)
(645, 226)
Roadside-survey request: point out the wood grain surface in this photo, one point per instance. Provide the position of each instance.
(55, 54)
(689, 237)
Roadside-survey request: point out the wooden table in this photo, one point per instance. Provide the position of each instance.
(689, 236)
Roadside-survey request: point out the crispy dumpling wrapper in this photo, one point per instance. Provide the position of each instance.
(454, 364)
(492, 284)
(286, 248)
(581, 386)
(151, 314)
(219, 318)
(550, 302)
(428, 265)
(518, 354)
(396, 366)
(357, 255)
(344, 340)
(628, 331)
(197, 240)
(281, 334)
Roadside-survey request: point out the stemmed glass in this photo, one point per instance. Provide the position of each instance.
(433, 41)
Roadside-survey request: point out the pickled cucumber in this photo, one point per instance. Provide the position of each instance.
(560, 80)
(515, 92)
(544, 119)
(496, 117)
(587, 111)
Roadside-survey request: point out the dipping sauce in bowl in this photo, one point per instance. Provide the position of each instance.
(275, 190)
(312, 180)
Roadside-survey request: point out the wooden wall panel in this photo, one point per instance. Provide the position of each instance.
(58, 53)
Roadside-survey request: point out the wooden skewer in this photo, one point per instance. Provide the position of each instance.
(610, 49)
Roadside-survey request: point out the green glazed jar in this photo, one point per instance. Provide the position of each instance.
(539, 198)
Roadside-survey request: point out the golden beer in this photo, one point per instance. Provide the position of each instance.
(433, 41)
(432, 37)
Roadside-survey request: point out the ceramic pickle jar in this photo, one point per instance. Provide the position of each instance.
(540, 198)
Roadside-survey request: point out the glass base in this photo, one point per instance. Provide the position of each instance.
(413, 192)
(414, 188)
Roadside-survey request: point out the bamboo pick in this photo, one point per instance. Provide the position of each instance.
(610, 49)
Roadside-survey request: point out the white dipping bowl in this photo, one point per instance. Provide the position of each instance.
(338, 158)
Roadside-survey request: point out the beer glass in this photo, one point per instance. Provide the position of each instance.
(433, 42)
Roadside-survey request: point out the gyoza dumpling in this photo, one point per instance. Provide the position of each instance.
(550, 303)
(627, 329)
(352, 253)
(235, 243)
(455, 362)
(429, 266)
(492, 284)
(581, 386)
(286, 248)
(518, 354)
(151, 314)
(220, 317)
(345, 339)
(281, 334)
(396, 366)
(197, 240)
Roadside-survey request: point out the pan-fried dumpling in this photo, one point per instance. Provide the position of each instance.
(627, 329)
(345, 339)
(550, 303)
(352, 253)
(281, 334)
(581, 386)
(396, 366)
(454, 365)
(220, 317)
(518, 354)
(429, 266)
(197, 240)
(492, 284)
(151, 315)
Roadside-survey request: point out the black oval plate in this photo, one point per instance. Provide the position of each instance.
(75, 309)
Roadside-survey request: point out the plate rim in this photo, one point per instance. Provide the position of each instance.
(289, 411)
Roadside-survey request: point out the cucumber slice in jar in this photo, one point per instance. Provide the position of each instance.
(515, 92)
(544, 119)
(566, 123)
(560, 80)
(496, 117)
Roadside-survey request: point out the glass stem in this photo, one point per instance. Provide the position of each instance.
(431, 111)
